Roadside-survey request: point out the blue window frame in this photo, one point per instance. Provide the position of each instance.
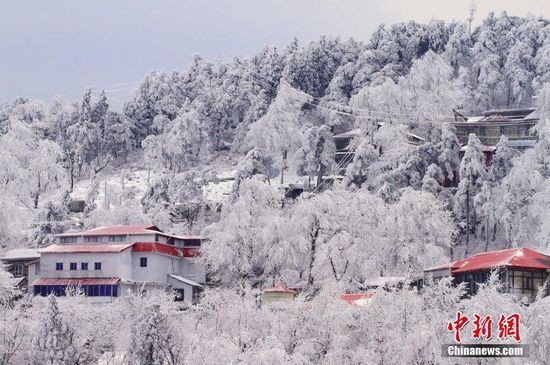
(84, 266)
(59, 266)
(97, 266)
(72, 266)
(143, 261)
(89, 290)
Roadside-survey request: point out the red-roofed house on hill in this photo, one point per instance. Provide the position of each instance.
(521, 270)
(109, 262)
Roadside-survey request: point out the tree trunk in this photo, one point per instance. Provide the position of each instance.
(320, 175)
(71, 173)
(37, 194)
(313, 248)
(283, 166)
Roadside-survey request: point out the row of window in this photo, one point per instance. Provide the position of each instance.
(89, 290)
(119, 238)
(92, 239)
(519, 281)
(97, 265)
(73, 266)
(525, 282)
(122, 238)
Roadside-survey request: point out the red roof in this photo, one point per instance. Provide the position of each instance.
(77, 281)
(352, 298)
(157, 247)
(115, 230)
(126, 230)
(280, 289)
(87, 248)
(514, 257)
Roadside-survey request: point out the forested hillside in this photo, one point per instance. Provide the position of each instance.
(268, 120)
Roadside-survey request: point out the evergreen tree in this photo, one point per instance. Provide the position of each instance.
(502, 160)
(473, 173)
(449, 149)
(54, 342)
(151, 341)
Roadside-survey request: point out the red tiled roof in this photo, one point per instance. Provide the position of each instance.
(352, 298)
(77, 281)
(114, 230)
(87, 248)
(280, 289)
(514, 257)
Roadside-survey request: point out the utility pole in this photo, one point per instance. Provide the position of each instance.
(472, 10)
(468, 215)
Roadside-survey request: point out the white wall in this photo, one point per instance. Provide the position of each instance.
(158, 267)
(112, 265)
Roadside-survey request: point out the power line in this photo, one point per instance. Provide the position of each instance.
(272, 87)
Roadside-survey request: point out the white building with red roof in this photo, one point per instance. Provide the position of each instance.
(109, 262)
(521, 270)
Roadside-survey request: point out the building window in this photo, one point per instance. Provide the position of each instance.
(72, 266)
(503, 130)
(89, 290)
(525, 282)
(170, 241)
(192, 243)
(59, 266)
(17, 271)
(472, 281)
(67, 239)
(97, 266)
(117, 238)
(84, 266)
(179, 295)
(91, 239)
(143, 261)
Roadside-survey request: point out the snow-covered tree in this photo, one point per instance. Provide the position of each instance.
(316, 156)
(364, 156)
(279, 131)
(473, 173)
(449, 149)
(502, 160)
(53, 344)
(241, 245)
(151, 341)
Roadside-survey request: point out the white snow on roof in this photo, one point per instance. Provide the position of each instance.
(185, 280)
(21, 253)
(522, 143)
(385, 280)
(474, 119)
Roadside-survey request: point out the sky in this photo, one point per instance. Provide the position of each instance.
(60, 47)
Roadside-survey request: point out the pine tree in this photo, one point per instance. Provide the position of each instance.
(449, 149)
(151, 342)
(54, 341)
(502, 160)
(472, 175)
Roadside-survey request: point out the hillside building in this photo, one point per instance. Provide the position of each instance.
(109, 262)
(521, 270)
(516, 124)
(16, 262)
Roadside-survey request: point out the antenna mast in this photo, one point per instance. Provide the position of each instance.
(472, 9)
